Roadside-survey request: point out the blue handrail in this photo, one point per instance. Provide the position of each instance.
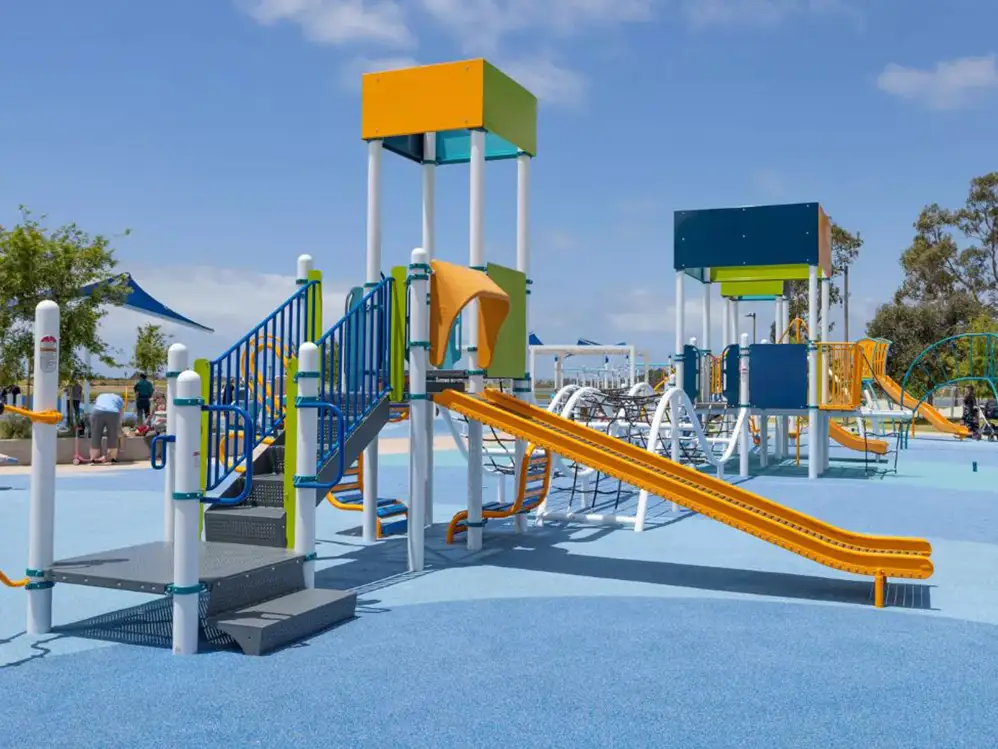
(249, 443)
(251, 374)
(164, 439)
(354, 363)
(310, 482)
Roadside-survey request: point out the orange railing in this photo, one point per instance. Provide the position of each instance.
(840, 376)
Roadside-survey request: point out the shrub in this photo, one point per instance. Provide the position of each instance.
(15, 427)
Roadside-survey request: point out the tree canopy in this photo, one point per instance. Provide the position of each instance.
(950, 281)
(38, 263)
(151, 349)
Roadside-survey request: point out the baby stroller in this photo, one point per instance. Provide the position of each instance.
(989, 420)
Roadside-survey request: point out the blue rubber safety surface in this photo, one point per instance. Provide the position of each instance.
(690, 634)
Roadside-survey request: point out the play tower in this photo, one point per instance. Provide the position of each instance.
(466, 112)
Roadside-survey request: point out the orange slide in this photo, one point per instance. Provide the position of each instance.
(853, 441)
(864, 554)
(927, 411)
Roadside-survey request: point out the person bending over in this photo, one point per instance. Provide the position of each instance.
(105, 418)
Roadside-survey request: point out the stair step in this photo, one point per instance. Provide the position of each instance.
(245, 524)
(396, 525)
(266, 626)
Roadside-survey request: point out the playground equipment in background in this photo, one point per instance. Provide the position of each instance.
(607, 377)
(348, 495)
(948, 350)
(880, 557)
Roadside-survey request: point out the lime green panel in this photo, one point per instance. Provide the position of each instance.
(400, 273)
(751, 288)
(509, 359)
(290, 448)
(510, 110)
(315, 327)
(760, 273)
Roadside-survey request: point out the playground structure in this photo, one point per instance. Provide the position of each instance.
(751, 252)
(606, 377)
(261, 434)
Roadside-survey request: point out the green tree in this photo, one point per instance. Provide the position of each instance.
(38, 263)
(151, 346)
(845, 250)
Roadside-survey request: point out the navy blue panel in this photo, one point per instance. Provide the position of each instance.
(691, 372)
(757, 235)
(730, 386)
(534, 340)
(778, 375)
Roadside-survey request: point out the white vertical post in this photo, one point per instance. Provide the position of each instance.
(523, 388)
(705, 337)
(375, 152)
(176, 362)
(420, 408)
(306, 458)
(679, 363)
(187, 514)
(41, 509)
(429, 246)
(725, 337)
(476, 380)
(784, 325)
(813, 454)
(632, 366)
(743, 401)
(733, 321)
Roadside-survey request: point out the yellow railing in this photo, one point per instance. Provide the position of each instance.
(840, 376)
(875, 357)
(796, 332)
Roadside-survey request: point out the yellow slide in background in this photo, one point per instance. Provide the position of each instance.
(927, 411)
(877, 556)
(853, 441)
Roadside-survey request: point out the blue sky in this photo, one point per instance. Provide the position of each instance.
(226, 135)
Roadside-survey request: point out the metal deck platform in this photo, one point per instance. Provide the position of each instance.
(148, 568)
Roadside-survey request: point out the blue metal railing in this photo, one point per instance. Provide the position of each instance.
(252, 376)
(354, 362)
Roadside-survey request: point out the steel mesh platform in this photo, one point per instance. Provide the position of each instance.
(148, 568)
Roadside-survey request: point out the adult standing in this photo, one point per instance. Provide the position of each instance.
(143, 399)
(106, 418)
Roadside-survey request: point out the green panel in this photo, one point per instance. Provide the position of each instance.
(510, 110)
(509, 360)
(316, 326)
(399, 288)
(290, 449)
(764, 289)
(760, 273)
(203, 369)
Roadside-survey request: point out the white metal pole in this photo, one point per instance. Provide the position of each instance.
(420, 408)
(176, 362)
(41, 510)
(375, 152)
(429, 246)
(476, 379)
(825, 323)
(187, 514)
(523, 387)
(743, 397)
(725, 338)
(707, 287)
(733, 321)
(679, 363)
(306, 458)
(813, 454)
(632, 366)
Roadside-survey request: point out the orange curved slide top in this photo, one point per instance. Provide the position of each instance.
(877, 556)
(927, 411)
(854, 442)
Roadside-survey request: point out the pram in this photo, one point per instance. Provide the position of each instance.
(989, 420)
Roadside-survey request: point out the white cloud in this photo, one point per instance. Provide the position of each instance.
(952, 84)
(337, 21)
(230, 301)
(549, 82)
(476, 27)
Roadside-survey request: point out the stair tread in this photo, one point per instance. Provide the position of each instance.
(273, 612)
(268, 477)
